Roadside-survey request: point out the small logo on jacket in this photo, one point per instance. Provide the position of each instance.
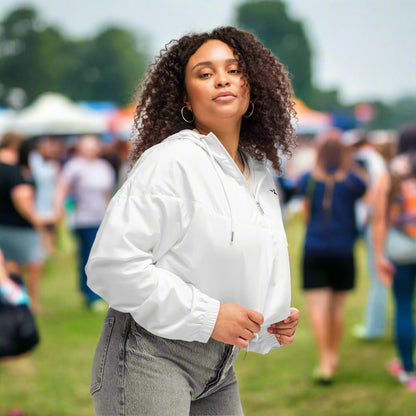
(274, 191)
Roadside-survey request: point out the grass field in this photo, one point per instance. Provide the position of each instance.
(54, 380)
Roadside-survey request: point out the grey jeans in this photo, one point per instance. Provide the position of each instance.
(137, 373)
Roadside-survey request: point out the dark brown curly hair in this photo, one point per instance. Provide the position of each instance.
(161, 93)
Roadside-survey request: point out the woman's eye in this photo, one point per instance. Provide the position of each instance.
(235, 71)
(205, 75)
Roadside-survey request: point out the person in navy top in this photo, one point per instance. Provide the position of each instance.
(329, 193)
(332, 230)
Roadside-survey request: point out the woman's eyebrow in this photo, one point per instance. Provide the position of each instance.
(209, 63)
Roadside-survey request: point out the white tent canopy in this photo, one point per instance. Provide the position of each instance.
(5, 116)
(55, 114)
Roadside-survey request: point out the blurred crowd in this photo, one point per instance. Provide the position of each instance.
(351, 185)
(44, 180)
(348, 185)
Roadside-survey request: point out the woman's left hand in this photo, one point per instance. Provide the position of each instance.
(284, 331)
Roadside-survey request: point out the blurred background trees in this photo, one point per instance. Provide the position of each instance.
(36, 57)
(286, 38)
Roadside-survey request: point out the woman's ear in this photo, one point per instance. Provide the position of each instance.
(186, 102)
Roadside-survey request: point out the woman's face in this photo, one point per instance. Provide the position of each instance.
(89, 147)
(49, 148)
(215, 88)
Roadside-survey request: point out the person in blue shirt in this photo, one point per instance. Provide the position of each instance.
(330, 192)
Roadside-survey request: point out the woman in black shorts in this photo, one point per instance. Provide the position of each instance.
(330, 192)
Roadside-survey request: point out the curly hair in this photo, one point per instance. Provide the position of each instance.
(161, 92)
(332, 153)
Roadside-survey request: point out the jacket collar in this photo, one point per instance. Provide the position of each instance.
(211, 144)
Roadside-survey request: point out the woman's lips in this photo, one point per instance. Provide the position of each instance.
(224, 97)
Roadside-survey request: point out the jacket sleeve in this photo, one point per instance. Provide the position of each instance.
(136, 231)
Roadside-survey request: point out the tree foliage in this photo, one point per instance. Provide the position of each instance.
(285, 37)
(36, 57)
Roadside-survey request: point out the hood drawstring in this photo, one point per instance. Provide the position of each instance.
(214, 164)
(259, 185)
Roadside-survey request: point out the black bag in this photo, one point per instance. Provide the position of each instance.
(18, 330)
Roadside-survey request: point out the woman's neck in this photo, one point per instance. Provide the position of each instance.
(229, 136)
(323, 175)
(88, 158)
(8, 156)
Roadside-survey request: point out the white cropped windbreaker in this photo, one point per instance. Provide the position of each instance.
(184, 234)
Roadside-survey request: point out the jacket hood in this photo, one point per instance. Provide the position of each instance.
(215, 149)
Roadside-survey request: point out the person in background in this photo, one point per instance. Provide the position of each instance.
(394, 234)
(372, 162)
(330, 192)
(116, 153)
(19, 222)
(11, 293)
(384, 141)
(192, 254)
(44, 165)
(91, 181)
(122, 149)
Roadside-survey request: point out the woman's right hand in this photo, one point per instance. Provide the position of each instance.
(236, 324)
(385, 270)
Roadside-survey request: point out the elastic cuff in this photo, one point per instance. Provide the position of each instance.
(210, 318)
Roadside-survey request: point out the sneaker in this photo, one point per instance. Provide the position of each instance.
(359, 331)
(15, 412)
(321, 378)
(395, 369)
(98, 306)
(411, 384)
(405, 377)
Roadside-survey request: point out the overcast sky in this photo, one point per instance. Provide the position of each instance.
(366, 48)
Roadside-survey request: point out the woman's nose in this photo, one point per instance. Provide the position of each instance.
(222, 81)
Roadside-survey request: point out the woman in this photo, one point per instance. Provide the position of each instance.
(19, 222)
(91, 181)
(192, 255)
(45, 168)
(330, 192)
(395, 233)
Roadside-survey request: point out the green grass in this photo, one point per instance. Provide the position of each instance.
(54, 380)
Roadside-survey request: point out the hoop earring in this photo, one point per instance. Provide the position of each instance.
(251, 112)
(184, 118)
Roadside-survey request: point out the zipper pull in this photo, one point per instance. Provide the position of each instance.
(259, 207)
